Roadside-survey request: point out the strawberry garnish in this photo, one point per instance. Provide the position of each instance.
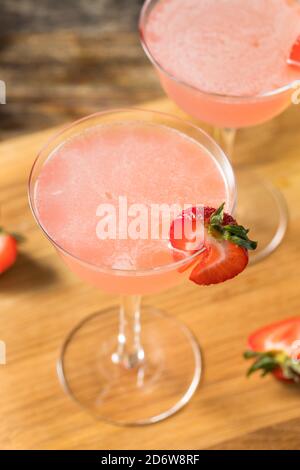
(220, 262)
(8, 251)
(223, 242)
(276, 349)
(294, 58)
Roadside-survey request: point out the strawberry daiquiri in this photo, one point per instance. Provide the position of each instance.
(143, 163)
(119, 368)
(224, 62)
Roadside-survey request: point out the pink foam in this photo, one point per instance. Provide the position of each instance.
(226, 46)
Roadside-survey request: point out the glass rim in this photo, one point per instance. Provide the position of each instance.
(141, 26)
(229, 181)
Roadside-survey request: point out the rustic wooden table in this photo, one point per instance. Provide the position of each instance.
(64, 59)
(40, 301)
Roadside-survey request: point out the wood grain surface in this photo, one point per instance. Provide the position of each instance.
(40, 301)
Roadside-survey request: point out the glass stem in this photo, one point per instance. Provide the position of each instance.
(129, 351)
(226, 138)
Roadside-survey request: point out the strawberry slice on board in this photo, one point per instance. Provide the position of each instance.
(222, 244)
(8, 251)
(294, 58)
(276, 350)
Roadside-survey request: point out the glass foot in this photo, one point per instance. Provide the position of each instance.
(142, 394)
(262, 208)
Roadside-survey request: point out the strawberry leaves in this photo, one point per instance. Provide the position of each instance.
(266, 362)
(231, 232)
(270, 361)
(226, 244)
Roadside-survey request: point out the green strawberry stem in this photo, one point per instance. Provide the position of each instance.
(267, 362)
(233, 233)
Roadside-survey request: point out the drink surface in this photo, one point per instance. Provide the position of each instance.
(146, 163)
(229, 47)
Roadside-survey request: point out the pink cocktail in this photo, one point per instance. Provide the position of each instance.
(226, 62)
(78, 184)
(147, 164)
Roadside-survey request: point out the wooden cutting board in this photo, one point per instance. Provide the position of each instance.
(40, 301)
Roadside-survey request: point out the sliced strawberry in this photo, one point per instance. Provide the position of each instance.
(8, 251)
(276, 350)
(222, 261)
(183, 232)
(277, 336)
(294, 58)
(223, 243)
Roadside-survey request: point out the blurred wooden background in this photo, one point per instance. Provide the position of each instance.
(64, 59)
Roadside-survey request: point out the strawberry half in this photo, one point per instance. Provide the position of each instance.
(223, 242)
(8, 251)
(276, 349)
(294, 58)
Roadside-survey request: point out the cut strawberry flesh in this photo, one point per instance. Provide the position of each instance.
(277, 337)
(220, 259)
(220, 262)
(187, 231)
(294, 58)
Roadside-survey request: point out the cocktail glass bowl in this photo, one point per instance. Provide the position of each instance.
(130, 365)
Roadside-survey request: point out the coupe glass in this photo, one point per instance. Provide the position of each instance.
(130, 364)
(227, 114)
